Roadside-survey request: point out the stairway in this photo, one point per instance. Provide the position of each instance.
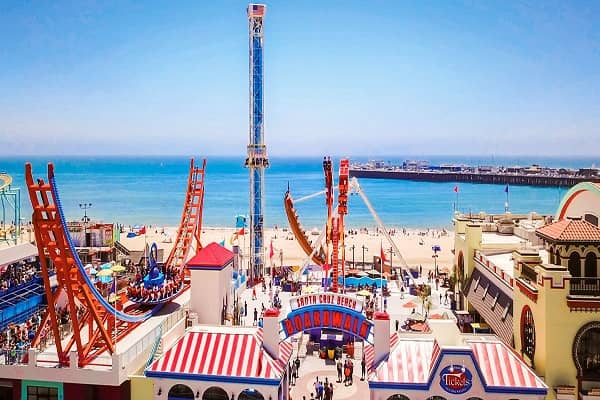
(121, 249)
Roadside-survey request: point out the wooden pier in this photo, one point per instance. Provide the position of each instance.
(474, 177)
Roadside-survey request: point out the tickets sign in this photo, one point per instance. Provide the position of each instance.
(456, 379)
(332, 299)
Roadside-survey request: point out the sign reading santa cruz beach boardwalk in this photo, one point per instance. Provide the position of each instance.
(327, 310)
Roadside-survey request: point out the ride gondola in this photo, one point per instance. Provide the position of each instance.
(158, 285)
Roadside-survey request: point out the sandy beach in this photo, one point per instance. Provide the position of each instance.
(414, 245)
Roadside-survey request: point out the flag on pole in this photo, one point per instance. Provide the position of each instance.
(241, 231)
(222, 242)
(271, 252)
(142, 230)
(456, 189)
(382, 254)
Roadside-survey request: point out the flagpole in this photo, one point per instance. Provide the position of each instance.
(381, 275)
(456, 200)
(506, 205)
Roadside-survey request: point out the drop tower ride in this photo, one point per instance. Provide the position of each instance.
(257, 159)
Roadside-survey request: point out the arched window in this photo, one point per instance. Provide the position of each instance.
(591, 265)
(527, 333)
(575, 264)
(586, 347)
(250, 394)
(557, 259)
(179, 391)
(215, 393)
(398, 397)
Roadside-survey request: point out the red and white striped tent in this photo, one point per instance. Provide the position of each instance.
(233, 355)
(414, 364)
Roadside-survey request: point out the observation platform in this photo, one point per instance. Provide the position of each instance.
(132, 352)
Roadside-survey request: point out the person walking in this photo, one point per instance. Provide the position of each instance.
(326, 392)
(346, 373)
(255, 316)
(363, 363)
(397, 325)
(295, 372)
(320, 391)
(339, 370)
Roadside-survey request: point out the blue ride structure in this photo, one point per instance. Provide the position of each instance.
(257, 159)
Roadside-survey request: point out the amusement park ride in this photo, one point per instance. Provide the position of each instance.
(10, 198)
(328, 251)
(98, 325)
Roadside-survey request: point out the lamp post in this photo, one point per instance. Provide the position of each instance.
(363, 260)
(435, 249)
(352, 248)
(85, 219)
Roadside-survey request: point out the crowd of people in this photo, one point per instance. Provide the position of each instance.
(16, 338)
(17, 274)
(137, 291)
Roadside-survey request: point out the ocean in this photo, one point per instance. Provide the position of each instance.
(150, 190)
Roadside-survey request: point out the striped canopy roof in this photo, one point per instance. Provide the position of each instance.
(414, 361)
(224, 354)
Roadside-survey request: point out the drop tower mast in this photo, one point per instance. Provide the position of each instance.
(257, 159)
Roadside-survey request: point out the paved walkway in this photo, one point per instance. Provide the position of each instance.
(313, 367)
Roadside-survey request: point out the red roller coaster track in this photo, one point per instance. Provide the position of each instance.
(97, 325)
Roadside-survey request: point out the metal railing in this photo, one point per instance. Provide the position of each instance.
(155, 347)
(585, 286)
(149, 339)
(12, 356)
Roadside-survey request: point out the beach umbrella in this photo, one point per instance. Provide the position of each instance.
(118, 268)
(104, 273)
(419, 327)
(105, 279)
(409, 304)
(105, 276)
(106, 266)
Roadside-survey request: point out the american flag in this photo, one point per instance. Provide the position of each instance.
(257, 10)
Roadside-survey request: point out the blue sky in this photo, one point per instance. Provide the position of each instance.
(342, 77)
